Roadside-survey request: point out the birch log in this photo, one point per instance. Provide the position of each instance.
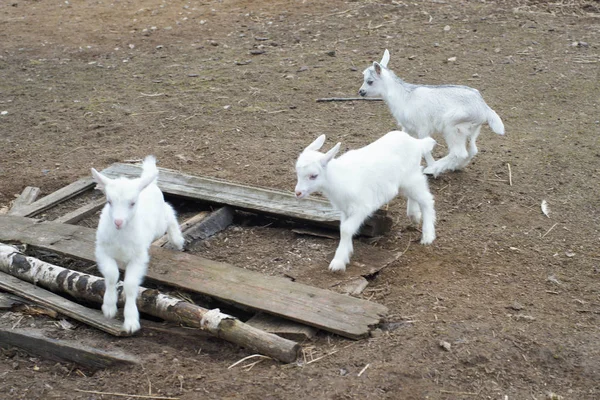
(150, 301)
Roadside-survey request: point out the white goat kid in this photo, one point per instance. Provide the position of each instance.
(134, 216)
(422, 110)
(360, 181)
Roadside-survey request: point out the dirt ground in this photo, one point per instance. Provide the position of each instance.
(228, 88)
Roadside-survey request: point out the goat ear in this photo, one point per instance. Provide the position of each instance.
(317, 144)
(147, 179)
(101, 180)
(330, 154)
(385, 59)
(377, 67)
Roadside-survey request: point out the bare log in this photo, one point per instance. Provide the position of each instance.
(150, 301)
(60, 304)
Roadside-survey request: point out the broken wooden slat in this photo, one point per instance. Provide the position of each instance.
(28, 196)
(214, 223)
(55, 198)
(34, 342)
(183, 226)
(83, 212)
(150, 301)
(333, 312)
(254, 199)
(8, 301)
(282, 327)
(64, 306)
(353, 287)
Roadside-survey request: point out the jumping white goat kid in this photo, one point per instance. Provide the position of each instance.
(360, 181)
(134, 216)
(422, 110)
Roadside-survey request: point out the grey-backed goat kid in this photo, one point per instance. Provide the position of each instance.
(455, 111)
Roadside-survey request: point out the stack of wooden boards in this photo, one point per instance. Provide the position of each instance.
(271, 296)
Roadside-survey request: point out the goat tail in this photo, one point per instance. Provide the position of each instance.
(495, 122)
(427, 145)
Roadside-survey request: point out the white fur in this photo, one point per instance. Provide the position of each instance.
(360, 181)
(135, 215)
(455, 111)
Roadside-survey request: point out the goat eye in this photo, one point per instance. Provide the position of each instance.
(312, 177)
(369, 82)
(132, 204)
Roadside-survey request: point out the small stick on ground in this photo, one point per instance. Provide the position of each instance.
(330, 99)
(246, 358)
(548, 231)
(363, 370)
(460, 393)
(319, 358)
(509, 174)
(137, 396)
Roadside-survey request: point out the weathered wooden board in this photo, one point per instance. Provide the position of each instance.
(215, 222)
(34, 342)
(82, 212)
(28, 196)
(198, 218)
(333, 312)
(259, 200)
(64, 306)
(55, 198)
(282, 327)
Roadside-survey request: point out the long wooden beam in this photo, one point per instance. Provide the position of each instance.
(272, 202)
(55, 198)
(34, 342)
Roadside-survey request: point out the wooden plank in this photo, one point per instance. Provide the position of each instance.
(254, 199)
(183, 226)
(55, 198)
(28, 196)
(324, 309)
(82, 212)
(34, 342)
(282, 327)
(64, 306)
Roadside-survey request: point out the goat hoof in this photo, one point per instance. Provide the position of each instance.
(109, 311)
(415, 219)
(179, 242)
(337, 265)
(131, 326)
(430, 171)
(427, 238)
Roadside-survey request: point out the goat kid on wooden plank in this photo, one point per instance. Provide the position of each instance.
(360, 181)
(134, 216)
(458, 112)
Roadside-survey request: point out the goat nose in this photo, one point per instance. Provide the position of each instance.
(362, 93)
(118, 223)
(298, 194)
